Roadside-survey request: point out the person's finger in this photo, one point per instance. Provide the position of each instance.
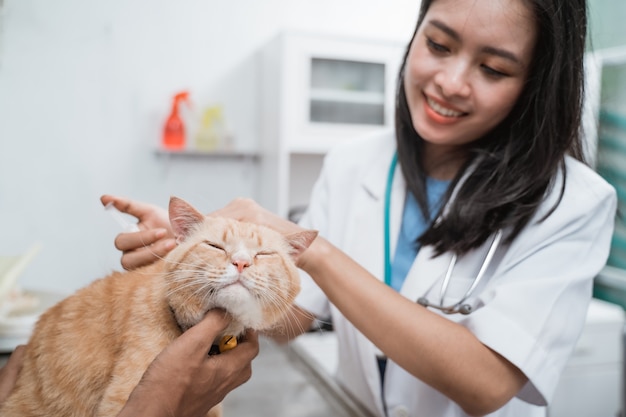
(14, 364)
(239, 359)
(126, 205)
(199, 338)
(146, 255)
(135, 240)
(247, 346)
(10, 371)
(106, 199)
(238, 209)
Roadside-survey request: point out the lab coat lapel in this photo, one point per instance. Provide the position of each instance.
(426, 270)
(368, 217)
(424, 274)
(366, 242)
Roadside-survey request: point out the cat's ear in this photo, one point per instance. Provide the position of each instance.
(300, 241)
(183, 217)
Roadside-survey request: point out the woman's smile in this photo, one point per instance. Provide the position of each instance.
(440, 112)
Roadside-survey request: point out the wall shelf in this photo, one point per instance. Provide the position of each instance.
(221, 154)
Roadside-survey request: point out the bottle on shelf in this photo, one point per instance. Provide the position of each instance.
(174, 134)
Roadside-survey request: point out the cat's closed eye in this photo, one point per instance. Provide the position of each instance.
(214, 245)
(264, 254)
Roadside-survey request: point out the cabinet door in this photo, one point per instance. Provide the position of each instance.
(347, 92)
(336, 89)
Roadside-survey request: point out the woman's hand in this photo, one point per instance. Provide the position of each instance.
(10, 372)
(245, 209)
(154, 238)
(184, 381)
(248, 210)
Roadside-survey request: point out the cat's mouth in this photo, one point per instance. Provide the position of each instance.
(237, 281)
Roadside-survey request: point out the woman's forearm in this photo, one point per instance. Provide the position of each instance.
(438, 351)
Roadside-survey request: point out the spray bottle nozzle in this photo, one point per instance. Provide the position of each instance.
(182, 96)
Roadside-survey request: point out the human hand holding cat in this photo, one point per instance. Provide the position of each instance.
(154, 238)
(247, 210)
(184, 381)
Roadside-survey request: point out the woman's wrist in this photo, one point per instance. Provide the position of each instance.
(313, 258)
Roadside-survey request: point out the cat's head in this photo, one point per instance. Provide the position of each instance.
(246, 269)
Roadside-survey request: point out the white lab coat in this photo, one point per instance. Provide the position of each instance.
(531, 311)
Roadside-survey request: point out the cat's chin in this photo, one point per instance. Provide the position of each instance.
(243, 307)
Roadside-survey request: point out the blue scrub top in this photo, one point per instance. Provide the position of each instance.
(413, 226)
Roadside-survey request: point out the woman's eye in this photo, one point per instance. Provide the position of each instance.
(492, 72)
(436, 47)
(215, 246)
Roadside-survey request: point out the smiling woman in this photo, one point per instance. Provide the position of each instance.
(463, 76)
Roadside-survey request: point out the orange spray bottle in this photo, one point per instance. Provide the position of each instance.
(174, 129)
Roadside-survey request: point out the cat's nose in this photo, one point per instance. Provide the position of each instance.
(241, 264)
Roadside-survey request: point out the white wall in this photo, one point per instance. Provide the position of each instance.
(85, 86)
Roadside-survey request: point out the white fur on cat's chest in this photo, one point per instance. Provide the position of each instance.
(235, 296)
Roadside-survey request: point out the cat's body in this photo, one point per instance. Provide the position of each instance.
(88, 352)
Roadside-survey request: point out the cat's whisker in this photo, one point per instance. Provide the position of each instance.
(187, 285)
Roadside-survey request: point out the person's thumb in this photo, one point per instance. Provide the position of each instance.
(201, 336)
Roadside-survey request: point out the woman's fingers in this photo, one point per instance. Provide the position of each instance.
(248, 210)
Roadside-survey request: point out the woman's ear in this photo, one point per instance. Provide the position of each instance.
(183, 217)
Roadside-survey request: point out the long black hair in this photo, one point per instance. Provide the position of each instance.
(514, 164)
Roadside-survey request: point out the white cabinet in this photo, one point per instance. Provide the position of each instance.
(591, 384)
(316, 91)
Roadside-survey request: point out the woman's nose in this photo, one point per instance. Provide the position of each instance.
(453, 79)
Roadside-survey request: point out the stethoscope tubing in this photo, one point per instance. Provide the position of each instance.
(460, 306)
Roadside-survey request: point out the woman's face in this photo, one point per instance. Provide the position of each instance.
(466, 67)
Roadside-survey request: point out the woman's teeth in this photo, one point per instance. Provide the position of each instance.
(442, 110)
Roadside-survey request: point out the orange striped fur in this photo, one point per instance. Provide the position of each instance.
(88, 352)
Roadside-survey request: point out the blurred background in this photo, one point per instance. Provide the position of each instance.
(86, 87)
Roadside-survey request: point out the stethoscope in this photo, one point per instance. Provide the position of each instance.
(460, 306)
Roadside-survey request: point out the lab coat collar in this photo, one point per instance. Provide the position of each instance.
(375, 180)
(423, 273)
(375, 183)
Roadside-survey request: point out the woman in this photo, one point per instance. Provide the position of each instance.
(490, 171)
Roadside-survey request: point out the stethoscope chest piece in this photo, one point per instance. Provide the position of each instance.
(453, 309)
(462, 306)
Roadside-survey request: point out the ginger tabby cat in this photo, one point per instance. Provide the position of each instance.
(88, 352)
